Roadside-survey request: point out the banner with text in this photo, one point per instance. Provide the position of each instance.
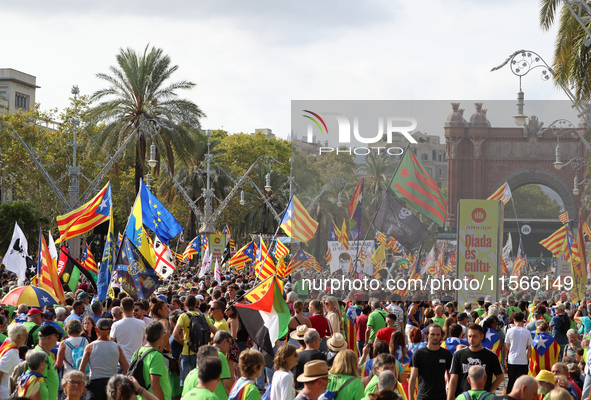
(217, 245)
(342, 259)
(480, 230)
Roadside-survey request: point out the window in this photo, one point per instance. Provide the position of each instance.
(3, 95)
(434, 155)
(21, 101)
(439, 158)
(438, 171)
(424, 157)
(439, 185)
(430, 171)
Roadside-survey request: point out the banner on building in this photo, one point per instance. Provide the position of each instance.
(480, 233)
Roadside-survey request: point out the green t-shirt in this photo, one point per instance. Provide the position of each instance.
(377, 321)
(50, 374)
(373, 384)
(300, 288)
(30, 325)
(200, 394)
(353, 391)
(479, 311)
(2, 338)
(475, 395)
(512, 309)
(439, 321)
(191, 380)
(154, 364)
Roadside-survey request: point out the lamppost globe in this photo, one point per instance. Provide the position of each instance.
(576, 191)
(268, 182)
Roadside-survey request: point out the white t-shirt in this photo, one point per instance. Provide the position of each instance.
(520, 339)
(282, 386)
(7, 364)
(129, 334)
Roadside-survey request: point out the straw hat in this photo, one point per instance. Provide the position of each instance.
(313, 370)
(546, 376)
(299, 332)
(337, 342)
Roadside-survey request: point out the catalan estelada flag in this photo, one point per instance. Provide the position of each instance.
(334, 233)
(503, 193)
(344, 237)
(299, 260)
(281, 250)
(297, 223)
(492, 341)
(264, 266)
(47, 271)
(413, 183)
(88, 261)
(394, 245)
(245, 254)
(452, 343)
(355, 208)
(544, 353)
(192, 248)
(328, 256)
(380, 237)
(556, 242)
(86, 217)
(350, 334)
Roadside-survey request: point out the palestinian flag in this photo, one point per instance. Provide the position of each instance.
(266, 320)
(70, 269)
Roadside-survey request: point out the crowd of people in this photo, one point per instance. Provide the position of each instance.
(188, 342)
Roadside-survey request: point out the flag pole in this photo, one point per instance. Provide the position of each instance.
(268, 250)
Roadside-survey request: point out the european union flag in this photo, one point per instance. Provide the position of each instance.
(156, 217)
(138, 277)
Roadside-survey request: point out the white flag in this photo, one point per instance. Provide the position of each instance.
(164, 259)
(15, 258)
(508, 248)
(429, 261)
(52, 249)
(206, 264)
(216, 274)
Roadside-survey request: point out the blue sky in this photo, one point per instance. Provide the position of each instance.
(250, 59)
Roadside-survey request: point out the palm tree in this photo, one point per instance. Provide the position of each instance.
(572, 58)
(377, 171)
(139, 90)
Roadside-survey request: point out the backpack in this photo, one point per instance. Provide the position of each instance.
(330, 395)
(565, 326)
(482, 396)
(198, 331)
(136, 368)
(77, 354)
(30, 343)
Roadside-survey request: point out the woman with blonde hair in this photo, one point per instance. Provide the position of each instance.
(282, 386)
(344, 377)
(333, 314)
(251, 364)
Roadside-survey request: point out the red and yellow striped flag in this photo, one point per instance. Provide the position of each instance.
(563, 217)
(544, 353)
(297, 223)
(394, 245)
(86, 217)
(380, 237)
(89, 262)
(281, 250)
(48, 277)
(587, 230)
(264, 266)
(556, 242)
(344, 236)
(503, 193)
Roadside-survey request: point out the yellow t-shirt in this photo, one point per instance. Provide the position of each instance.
(222, 325)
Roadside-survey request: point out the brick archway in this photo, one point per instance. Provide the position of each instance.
(527, 176)
(480, 158)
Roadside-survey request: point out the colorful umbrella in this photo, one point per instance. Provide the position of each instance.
(32, 296)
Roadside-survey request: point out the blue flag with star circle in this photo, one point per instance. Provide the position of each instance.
(156, 217)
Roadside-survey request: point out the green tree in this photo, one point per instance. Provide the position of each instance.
(28, 217)
(531, 202)
(139, 90)
(572, 58)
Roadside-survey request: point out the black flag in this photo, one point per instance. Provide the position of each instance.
(397, 221)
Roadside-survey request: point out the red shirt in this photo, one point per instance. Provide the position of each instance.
(361, 326)
(385, 334)
(320, 324)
